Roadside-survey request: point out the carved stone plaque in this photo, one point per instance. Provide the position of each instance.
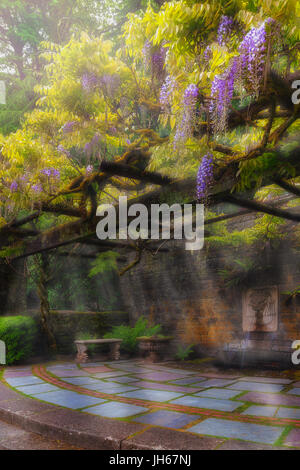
(260, 309)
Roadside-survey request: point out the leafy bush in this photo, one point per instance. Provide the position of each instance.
(19, 334)
(129, 334)
(184, 352)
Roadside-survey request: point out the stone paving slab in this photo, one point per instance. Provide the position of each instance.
(232, 444)
(257, 387)
(237, 430)
(215, 383)
(218, 393)
(159, 376)
(268, 411)
(271, 399)
(81, 380)
(114, 409)
(188, 380)
(69, 399)
(122, 380)
(151, 395)
(19, 373)
(95, 369)
(207, 403)
(292, 413)
(168, 419)
(69, 373)
(266, 380)
(105, 375)
(109, 388)
(168, 439)
(35, 389)
(294, 391)
(293, 438)
(171, 388)
(19, 381)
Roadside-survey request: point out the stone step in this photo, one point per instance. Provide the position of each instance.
(15, 438)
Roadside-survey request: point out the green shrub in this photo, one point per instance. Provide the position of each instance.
(184, 352)
(129, 334)
(19, 334)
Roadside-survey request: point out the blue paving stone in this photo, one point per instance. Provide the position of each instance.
(187, 381)
(168, 419)
(104, 375)
(114, 409)
(110, 388)
(237, 430)
(294, 391)
(69, 399)
(292, 413)
(122, 380)
(257, 387)
(81, 380)
(268, 411)
(28, 380)
(215, 383)
(40, 388)
(217, 393)
(152, 395)
(209, 403)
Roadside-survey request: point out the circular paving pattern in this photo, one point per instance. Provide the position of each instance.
(263, 410)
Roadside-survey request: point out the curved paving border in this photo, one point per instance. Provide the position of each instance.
(83, 429)
(41, 372)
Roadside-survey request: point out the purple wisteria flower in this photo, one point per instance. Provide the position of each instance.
(37, 188)
(221, 95)
(14, 187)
(89, 170)
(91, 147)
(253, 54)
(51, 172)
(165, 93)
(89, 81)
(204, 176)
(68, 127)
(185, 127)
(225, 30)
(158, 62)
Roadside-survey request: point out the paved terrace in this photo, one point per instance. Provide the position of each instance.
(133, 405)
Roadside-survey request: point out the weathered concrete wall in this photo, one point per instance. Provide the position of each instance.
(185, 292)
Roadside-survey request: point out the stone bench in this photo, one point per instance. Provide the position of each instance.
(82, 345)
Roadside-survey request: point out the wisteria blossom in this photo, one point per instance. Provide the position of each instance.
(166, 91)
(14, 187)
(204, 176)
(185, 127)
(225, 30)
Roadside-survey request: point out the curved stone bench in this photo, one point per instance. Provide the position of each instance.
(82, 344)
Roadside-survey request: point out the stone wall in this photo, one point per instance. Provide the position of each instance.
(186, 293)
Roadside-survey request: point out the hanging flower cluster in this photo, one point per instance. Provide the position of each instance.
(221, 95)
(14, 187)
(185, 127)
(110, 84)
(154, 60)
(253, 56)
(225, 30)
(166, 92)
(204, 176)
